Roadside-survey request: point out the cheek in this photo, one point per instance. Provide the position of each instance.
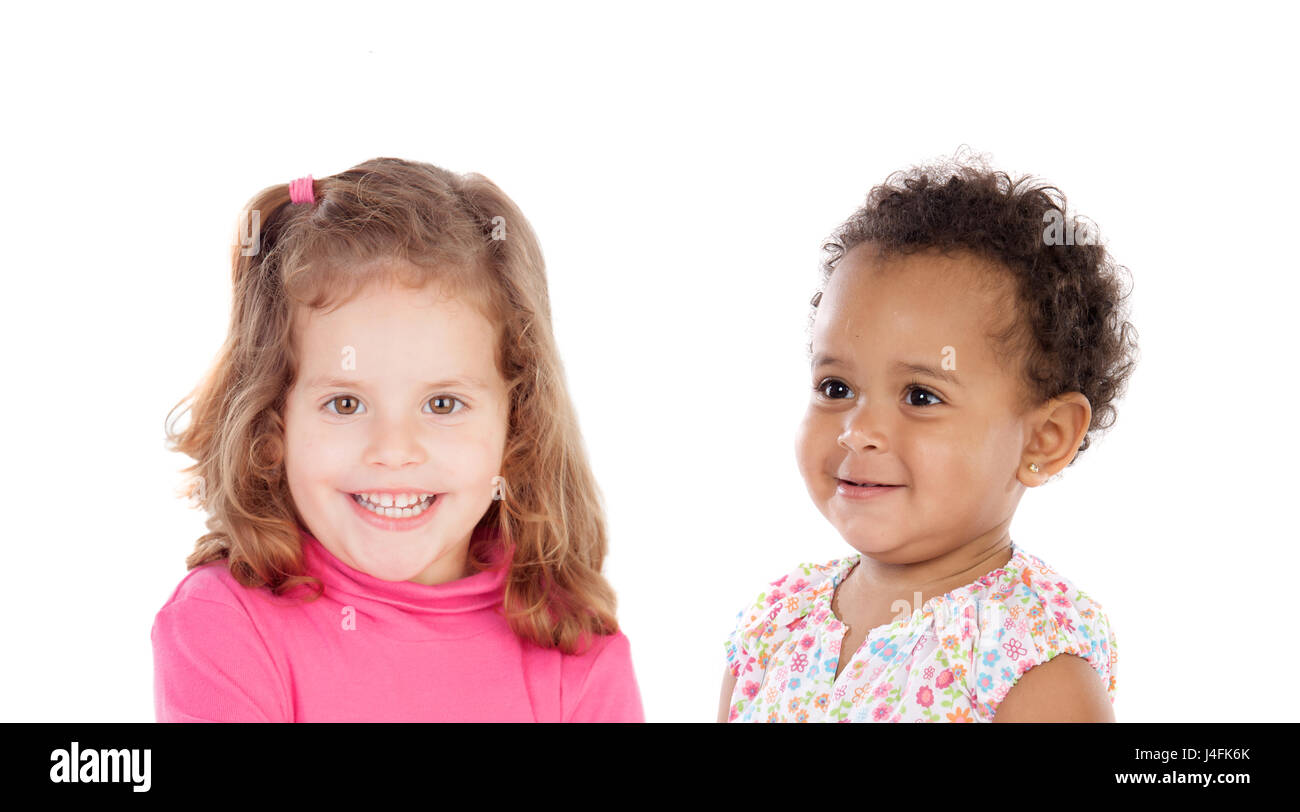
(472, 453)
(300, 447)
(942, 454)
(813, 438)
(313, 451)
(967, 459)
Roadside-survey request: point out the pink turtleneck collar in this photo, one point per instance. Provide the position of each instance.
(407, 610)
(369, 650)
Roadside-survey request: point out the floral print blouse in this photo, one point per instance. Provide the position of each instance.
(953, 660)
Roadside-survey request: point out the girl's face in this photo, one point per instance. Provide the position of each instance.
(397, 393)
(907, 393)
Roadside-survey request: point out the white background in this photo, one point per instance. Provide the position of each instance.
(681, 165)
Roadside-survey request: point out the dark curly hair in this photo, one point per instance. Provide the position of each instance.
(1071, 331)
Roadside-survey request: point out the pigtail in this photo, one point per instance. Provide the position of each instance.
(236, 434)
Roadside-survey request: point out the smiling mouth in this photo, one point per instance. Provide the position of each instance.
(866, 484)
(394, 512)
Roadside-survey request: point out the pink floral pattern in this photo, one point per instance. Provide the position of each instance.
(953, 660)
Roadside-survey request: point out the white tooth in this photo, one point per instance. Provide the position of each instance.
(385, 499)
(402, 500)
(414, 508)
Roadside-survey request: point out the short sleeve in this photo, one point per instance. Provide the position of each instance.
(1038, 621)
(734, 647)
(211, 665)
(751, 635)
(763, 623)
(608, 690)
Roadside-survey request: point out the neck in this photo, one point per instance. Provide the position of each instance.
(943, 573)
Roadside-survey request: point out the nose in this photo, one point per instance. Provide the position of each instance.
(394, 443)
(862, 432)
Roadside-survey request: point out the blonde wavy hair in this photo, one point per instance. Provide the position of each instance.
(441, 227)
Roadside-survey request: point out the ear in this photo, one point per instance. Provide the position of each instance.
(1058, 429)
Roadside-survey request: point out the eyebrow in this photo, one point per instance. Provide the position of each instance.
(899, 366)
(334, 382)
(922, 369)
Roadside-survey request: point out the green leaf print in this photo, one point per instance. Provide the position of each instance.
(842, 710)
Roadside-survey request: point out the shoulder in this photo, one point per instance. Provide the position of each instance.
(767, 618)
(210, 606)
(1028, 616)
(212, 660)
(602, 647)
(1063, 689)
(203, 588)
(607, 656)
(795, 590)
(211, 582)
(598, 683)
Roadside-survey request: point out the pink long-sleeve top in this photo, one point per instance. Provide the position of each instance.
(370, 650)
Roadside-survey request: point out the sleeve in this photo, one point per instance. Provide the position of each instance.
(763, 623)
(1039, 622)
(608, 691)
(211, 665)
(737, 656)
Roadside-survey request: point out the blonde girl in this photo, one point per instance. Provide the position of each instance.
(403, 523)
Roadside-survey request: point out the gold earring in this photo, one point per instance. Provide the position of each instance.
(1033, 466)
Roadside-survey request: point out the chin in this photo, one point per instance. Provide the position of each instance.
(872, 546)
(391, 570)
(873, 540)
(399, 564)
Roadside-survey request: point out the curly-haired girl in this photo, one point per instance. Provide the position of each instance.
(404, 526)
(968, 340)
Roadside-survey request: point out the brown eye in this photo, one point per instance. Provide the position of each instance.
(347, 407)
(834, 390)
(445, 404)
(932, 399)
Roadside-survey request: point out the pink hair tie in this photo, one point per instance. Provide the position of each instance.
(302, 190)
